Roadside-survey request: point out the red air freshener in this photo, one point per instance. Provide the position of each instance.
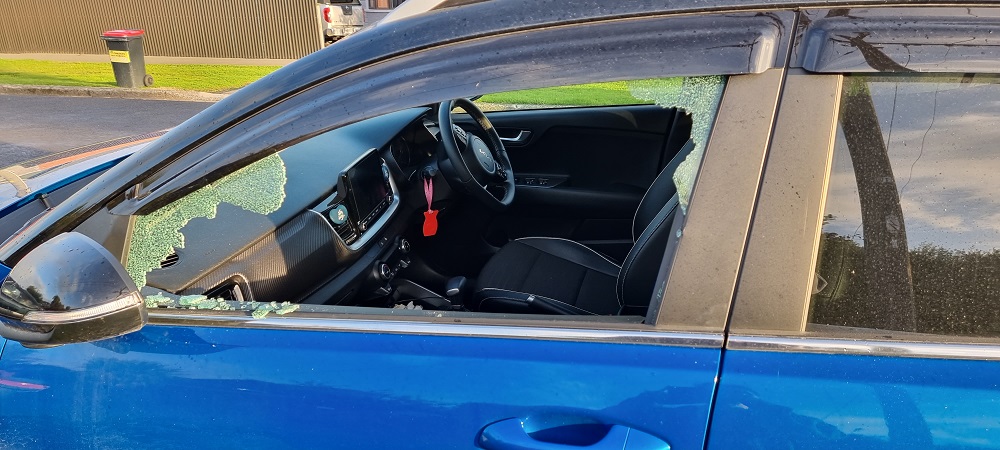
(430, 222)
(431, 215)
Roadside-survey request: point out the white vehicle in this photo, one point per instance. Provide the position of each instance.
(341, 18)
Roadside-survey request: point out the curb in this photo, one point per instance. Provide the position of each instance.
(110, 92)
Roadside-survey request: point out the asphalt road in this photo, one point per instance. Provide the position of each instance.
(34, 126)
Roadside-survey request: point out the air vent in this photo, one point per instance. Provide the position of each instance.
(229, 291)
(346, 232)
(234, 289)
(170, 260)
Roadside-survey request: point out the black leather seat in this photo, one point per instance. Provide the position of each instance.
(558, 276)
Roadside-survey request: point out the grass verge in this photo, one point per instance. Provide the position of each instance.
(594, 94)
(194, 77)
(223, 78)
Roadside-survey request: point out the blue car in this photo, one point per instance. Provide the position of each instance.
(516, 224)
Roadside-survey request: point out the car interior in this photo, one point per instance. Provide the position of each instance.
(554, 211)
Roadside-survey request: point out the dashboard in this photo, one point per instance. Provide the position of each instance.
(345, 206)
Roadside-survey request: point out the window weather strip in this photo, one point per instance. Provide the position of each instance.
(652, 337)
(789, 344)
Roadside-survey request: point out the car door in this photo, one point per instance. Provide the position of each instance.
(350, 377)
(865, 315)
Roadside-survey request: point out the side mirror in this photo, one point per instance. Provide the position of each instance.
(69, 289)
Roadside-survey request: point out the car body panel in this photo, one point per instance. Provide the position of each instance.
(788, 399)
(180, 386)
(37, 186)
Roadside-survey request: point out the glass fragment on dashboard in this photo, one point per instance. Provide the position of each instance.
(258, 187)
(258, 310)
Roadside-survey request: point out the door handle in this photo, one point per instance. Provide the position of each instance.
(512, 434)
(521, 138)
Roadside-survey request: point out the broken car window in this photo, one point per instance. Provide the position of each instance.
(699, 97)
(259, 188)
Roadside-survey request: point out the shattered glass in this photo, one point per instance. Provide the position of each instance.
(699, 97)
(258, 187)
(257, 310)
(263, 309)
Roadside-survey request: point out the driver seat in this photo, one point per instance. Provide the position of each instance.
(542, 275)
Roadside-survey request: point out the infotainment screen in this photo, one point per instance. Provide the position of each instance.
(369, 187)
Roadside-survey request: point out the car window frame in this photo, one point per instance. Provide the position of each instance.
(701, 195)
(770, 310)
(740, 111)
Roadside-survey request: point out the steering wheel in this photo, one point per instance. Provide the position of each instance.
(482, 167)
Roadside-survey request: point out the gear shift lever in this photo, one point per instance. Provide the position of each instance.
(454, 290)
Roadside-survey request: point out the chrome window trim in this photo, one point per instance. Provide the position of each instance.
(862, 347)
(425, 328)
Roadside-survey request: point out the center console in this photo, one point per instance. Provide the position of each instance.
(365, 199)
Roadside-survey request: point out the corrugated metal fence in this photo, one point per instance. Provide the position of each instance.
(281, 29)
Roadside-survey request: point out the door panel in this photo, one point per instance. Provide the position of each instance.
(185, 387)
(582, 172)
(771, 400)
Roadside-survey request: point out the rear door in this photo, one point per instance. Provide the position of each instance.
(866, 311)
(350, 377)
